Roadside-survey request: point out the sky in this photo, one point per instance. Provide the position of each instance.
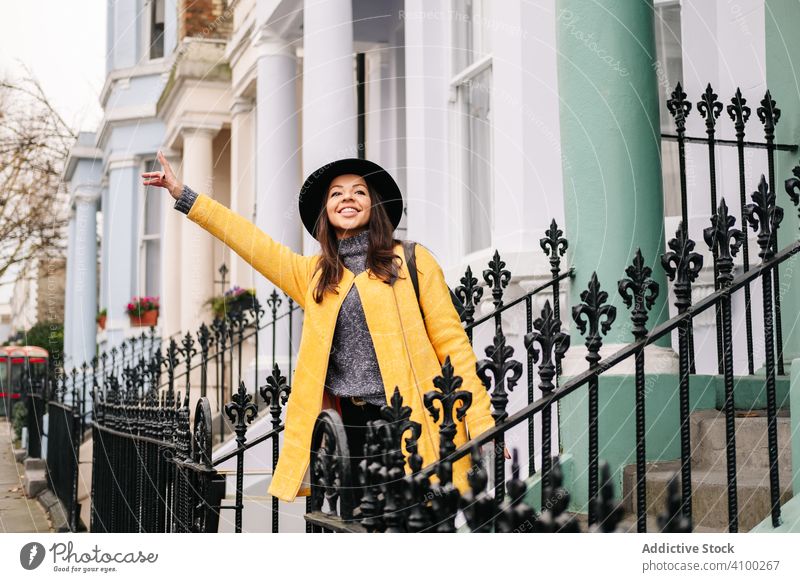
(63, 43)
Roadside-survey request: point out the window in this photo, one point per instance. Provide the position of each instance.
(154, 12)
(150, 247)
(669, 72)
(471, 89)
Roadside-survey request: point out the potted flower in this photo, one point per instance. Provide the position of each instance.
(101, 318)
(143, 311)
(235, 299)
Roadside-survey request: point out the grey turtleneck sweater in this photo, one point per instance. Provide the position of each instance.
(353, 367)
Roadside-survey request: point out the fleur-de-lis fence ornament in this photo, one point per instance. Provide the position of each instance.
(273, 302)
(276, 394)
(398, 423)
(769, 115)
(396, 490)
(505, 371)
(724, 241)
(709, 108)
(241, 411)
(679, 107)
(682, 265)
(448, 396)
(187, 351)
(470, 293)
(593, 318)
(114, 352)
(171, 362)
(765, 216)
(792, 186)
(497, 277)
(739, 112)
(640, 291)
(553, 344)
(554, 246)
(594, 312)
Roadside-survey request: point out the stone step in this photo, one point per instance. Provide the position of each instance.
(628, 524)
(709, 493)
(32, 464)
(34, 482)
(707, 428)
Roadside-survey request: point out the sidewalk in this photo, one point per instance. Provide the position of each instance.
(18, 514)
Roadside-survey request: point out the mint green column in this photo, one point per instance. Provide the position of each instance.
(782, 21)
(610, 138)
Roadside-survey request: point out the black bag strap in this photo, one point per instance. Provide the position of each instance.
(411, 267)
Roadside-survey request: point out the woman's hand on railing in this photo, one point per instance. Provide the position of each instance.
(164, 179)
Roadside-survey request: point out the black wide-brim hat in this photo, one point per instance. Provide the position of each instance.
(315, 189)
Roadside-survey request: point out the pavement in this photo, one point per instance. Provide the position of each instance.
(18, 513)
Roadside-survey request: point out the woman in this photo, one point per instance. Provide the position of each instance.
(363, 333)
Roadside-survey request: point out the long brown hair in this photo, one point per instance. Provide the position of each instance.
(380, 250)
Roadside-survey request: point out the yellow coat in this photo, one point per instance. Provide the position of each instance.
(407, 360)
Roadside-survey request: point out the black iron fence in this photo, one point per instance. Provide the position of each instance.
(396, 501)
(63, 455)
(153, 473)
(739, 114)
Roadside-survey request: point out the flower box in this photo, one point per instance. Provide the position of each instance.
(143, 311)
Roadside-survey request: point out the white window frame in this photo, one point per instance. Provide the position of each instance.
(146, 25)
(143, 238)
(669, 156)
(458, 124)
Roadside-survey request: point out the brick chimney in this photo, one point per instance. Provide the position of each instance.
(204, 19)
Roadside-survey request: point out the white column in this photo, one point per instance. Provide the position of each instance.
(427, 60)
(123, 176)
(69, 296)
(169, 316)
(197, 269)
(277, 177)
(243, 169)
(527, 143)
(85, 276)
(330, 128)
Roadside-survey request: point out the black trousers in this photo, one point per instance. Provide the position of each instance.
(354, 418)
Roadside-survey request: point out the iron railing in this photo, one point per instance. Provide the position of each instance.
(141, 414)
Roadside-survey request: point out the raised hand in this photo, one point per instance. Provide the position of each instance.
(164, 179)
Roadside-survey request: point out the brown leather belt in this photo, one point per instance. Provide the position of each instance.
(357, 401)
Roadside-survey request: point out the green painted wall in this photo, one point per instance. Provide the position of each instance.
(782, 21)
(610, 138)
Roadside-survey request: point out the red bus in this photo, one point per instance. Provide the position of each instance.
(15, 363)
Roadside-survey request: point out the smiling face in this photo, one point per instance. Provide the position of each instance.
(348, 205)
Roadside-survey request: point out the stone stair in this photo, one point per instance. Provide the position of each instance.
(709, 472)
